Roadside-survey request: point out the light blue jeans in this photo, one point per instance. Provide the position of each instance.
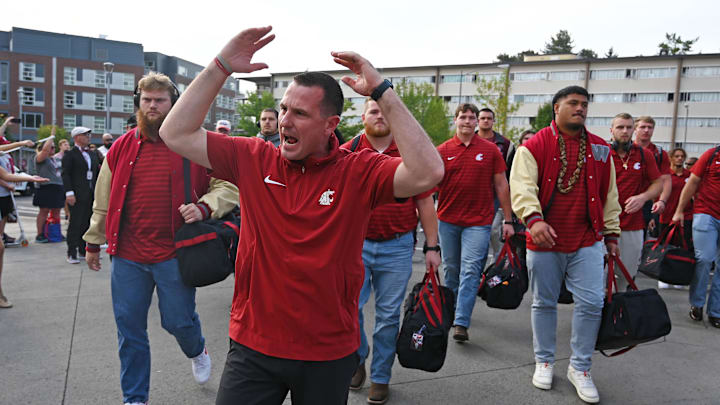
(388, 266)
(583, 273)
(132, 286)
(706, 237)
(464, 251)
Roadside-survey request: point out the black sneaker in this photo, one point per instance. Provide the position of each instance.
(696, 313)
(41, 239)
(715, 322)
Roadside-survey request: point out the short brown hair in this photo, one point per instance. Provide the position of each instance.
(622, 116)
(672, 152)
(156, 81)
(465, 107)
(645, 118)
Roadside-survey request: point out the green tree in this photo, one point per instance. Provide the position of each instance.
(611, 53)
(250, 112)
(587, 54)
(543, 118)
(429, 110)
(520, 57)
(349, 126)
(495, 95)
(560, 43)
(60, 133)
(674, 45)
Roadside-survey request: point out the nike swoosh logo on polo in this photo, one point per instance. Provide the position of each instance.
(452, 157)
(268, 181)
(717, 163)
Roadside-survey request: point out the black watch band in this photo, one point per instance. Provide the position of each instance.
(379, 90)
(508, 222)
(426, 248)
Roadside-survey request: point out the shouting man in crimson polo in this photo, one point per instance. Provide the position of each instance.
(704, 185)
(474, 175)
(387, 256)
(638, 182)
(299, 270)
(563, 188)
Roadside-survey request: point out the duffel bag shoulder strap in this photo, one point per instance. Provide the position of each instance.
(625, 273)
(186, 177)
(611, 283)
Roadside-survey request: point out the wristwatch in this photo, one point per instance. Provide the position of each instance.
(426, 248)
(380, 89)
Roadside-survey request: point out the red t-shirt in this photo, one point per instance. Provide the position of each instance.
(678, 182)
(707, 198)
(631, 181)
(389, 219)
(466, 193)
(299, 269)
(568, 213)
(146, 225)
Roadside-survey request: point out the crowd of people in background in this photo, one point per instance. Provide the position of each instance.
(567, 196)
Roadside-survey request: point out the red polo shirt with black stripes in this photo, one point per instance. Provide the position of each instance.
(633, 180)
(707, 197)
(388, 220)
(466, 193)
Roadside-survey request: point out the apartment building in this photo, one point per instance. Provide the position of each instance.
(61, 79)
(668, 88)
(182, 72)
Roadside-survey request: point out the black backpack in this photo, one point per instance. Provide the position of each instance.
(429, 315)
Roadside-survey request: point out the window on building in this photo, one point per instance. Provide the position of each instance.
(518, 121)
(182, 70)
(488, 77)
(99, 78)
(69, 76)
(532, 98)
(607, 74)
(69, 122)
(128, 104)
(32, 120)
(149, 65)
(606, 98)
(700, 122)
(28, 96)
(280, 84)
(655, 73)
(528, 76)
(100, 102)
(98, 124)
(4, 81)
(701, 97)
(701, 71)
(651, 97)
(466, 78)
(420, 79)
(569, 75)
(128, 81)
(32, 72)
(463, 99)
(598, 121)
(69, 99)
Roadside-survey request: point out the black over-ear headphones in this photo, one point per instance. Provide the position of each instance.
(174, 95)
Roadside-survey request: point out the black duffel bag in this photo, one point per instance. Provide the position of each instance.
(632, 317)
(669, 263)
(504, 283)
(429, 314)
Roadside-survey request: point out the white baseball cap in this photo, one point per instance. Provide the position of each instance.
(223, 124)
(80, 131)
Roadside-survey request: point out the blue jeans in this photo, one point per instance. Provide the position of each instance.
(582, 271)
(388, 266)
(706, 237)
(132, 286)
(464, 251)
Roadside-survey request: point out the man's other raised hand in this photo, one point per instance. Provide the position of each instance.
(239, 51)
(368, 78)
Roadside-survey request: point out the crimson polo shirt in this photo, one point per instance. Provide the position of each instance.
(568, 214)
(678, 182)
(388, 220)
(299, 269)
(662, 161)
(708, 194)
(466, 193)
(632, 181)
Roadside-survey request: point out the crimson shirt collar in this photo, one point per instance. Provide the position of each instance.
(457, 141)
(311, 161)
(391, 148)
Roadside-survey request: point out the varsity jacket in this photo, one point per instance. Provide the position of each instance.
(219, 196)
(534, 177)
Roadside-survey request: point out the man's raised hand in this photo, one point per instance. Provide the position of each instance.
(368, 77)
(239, 51)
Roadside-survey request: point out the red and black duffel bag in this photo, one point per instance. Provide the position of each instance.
(669, 263)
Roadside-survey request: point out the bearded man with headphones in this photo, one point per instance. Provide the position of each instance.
(139, 206)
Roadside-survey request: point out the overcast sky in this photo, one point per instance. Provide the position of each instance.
(389, 33)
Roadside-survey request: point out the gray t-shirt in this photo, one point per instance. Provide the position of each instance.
(5, 163)
(50, 168)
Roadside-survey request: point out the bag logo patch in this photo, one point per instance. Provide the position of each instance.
(417, 339)
(327, 197)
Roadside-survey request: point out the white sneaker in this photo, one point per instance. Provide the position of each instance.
(543, 375)
(663, 286)
(135, 403)
(72, 260)
(584, 385)
(201, 367)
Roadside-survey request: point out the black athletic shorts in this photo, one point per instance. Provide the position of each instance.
(6, 206)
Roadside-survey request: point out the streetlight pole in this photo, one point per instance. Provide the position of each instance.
(108, 67)
(20, 133)
(462, 79)
(687, 112)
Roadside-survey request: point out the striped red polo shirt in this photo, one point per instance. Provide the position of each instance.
(678, 182)
(146, 224)
(568, 213)
(706, 198)
(466, 193)
(633, 180)
(389, 220)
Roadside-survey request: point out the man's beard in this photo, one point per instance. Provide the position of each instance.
(149, 127)
(621, 146)
(371, 130)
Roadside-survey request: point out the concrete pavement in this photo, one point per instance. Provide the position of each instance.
(58, 345)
